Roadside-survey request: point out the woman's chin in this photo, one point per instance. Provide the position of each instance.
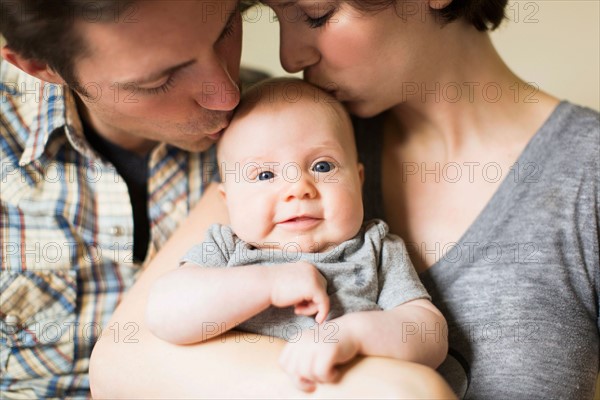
(363, 109)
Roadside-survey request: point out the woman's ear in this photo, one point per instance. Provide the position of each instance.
(35, 68)
(439, 4)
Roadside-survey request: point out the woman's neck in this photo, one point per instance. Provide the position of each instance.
(472, 99)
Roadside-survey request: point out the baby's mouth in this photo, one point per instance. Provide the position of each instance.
(298, 219)
(300, 223)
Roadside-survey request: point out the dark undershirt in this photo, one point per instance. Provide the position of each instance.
(133, 168)
(369, 138)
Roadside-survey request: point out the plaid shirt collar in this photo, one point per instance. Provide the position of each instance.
(57, 114)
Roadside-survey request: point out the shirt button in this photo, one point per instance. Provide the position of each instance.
(167, 207)
(116, 230)
(12, 322)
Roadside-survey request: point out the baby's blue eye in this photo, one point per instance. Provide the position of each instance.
(266, 176)
(323, 166)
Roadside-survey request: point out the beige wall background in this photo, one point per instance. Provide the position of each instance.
(553, 43)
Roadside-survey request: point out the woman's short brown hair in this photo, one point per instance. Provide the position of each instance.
(482, 14)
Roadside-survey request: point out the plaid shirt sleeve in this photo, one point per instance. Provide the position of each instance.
(66, 235)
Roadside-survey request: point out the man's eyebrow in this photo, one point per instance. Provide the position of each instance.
(156, 76)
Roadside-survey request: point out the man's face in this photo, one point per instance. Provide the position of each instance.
(167, 71)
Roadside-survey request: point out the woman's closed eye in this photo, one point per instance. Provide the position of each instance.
(318, 21)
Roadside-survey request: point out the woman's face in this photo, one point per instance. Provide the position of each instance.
(367, 60)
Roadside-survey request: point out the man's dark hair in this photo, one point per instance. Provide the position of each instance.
(43, 29)
(482, 14)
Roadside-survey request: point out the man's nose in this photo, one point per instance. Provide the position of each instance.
(218, 92)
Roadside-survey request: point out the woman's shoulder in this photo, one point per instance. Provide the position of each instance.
(571, 134)
(575, 121)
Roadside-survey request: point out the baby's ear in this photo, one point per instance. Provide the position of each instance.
(361, 173)
(222, 191)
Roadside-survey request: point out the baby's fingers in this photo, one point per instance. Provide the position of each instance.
(304, 384)
(292, 363)
(306, 308)
(323, 309)
(325, 371)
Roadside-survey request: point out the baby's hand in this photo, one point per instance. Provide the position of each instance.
(300, 285)
(313, 358)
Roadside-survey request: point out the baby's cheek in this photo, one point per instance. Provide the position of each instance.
(345, 224)
(252, 222)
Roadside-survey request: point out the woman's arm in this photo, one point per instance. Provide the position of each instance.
(143, 366)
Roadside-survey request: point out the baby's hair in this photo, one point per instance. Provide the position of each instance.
(276, 92)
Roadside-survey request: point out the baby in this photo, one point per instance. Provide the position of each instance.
(292, 184)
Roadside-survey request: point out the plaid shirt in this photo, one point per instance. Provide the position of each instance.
(66, 236)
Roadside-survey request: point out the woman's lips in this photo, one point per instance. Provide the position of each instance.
(300, 223)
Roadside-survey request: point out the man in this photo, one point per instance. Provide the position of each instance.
(108, 113)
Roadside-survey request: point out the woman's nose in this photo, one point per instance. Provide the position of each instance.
(296, 50)
(302, 189)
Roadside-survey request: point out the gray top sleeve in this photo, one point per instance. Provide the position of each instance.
(215, 250)
(398, 280)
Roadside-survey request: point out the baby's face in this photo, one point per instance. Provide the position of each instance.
(291, 178)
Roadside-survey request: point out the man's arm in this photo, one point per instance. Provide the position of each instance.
(141, 365)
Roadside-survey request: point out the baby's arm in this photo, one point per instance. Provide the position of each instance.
(414, 331)
(193, 304)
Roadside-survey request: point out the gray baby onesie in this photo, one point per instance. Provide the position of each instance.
(371, 271)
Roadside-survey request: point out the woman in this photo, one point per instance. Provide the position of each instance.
(492, 184)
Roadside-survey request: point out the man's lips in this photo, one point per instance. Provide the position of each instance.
(216, 136)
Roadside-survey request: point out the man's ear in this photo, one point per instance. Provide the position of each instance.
(439, 4)
(34, 68)
(361, 173)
